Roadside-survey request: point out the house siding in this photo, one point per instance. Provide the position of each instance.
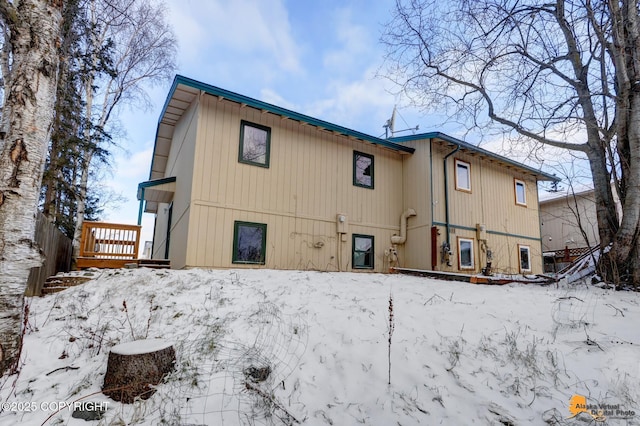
(417, 195)
(181, 165)
(308, 182)
(559, 223)
(491, 202)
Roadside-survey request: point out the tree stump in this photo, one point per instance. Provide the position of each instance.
(134, 367)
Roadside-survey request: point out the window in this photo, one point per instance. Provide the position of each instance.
(362, 251)
(249, 242)
(463, 176)
(521, 192)
(362, 170)
(524, 255)
(465, 254)
(255, 142)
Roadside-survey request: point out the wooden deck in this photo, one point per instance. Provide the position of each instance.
(112, 245)
(477, 279)
(108, 245)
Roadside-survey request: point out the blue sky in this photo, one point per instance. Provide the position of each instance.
(320, 58)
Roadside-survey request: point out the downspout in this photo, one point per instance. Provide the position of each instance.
(431, 177)
(141, 208)
(540, 230)
(446, 195)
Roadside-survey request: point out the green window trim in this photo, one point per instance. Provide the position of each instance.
(362, 259)
(363, 170)
(244, 156)
(246, 247)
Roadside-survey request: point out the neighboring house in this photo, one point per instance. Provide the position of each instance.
(239, 182)
(569, 227)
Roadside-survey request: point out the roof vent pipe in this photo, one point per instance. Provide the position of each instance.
(400, 239)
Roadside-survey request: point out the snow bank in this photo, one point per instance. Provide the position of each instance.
(281, 347)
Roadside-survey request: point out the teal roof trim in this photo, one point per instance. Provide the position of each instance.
(241, 99)
(152, 183)
(470, 147)
(156, 182)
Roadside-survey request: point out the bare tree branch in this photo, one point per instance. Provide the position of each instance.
(561, 73)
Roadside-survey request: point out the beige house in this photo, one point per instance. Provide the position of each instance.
(568, 227)
(237, 182)
(569, 221)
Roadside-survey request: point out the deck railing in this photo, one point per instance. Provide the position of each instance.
(108, 244)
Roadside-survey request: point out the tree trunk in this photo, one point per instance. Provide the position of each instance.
(625, 49)
(135, 367)
(81, 199)
(35, 27)
(624, 250)
(605, 207)
(85, 161)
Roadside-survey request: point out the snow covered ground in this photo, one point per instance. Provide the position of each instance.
(460, 353)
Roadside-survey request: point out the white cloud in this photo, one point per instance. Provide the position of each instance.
(136, 166)
(363, 104)
(273, 97)
(355, 42)
(208, 28)
(190, 32)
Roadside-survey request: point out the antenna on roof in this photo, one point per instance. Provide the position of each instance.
(389, 126)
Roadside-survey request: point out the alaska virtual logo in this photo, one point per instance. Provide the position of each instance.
(599, 412)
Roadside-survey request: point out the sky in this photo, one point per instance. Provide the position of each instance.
(319, 58)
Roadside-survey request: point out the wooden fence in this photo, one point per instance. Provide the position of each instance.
(57, 249)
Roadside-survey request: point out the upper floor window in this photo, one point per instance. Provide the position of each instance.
(521, 192)
(255, 143)
(463, 176)
(524, 255)
(362, 169)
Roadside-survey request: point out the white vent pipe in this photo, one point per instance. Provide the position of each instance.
(402, 238)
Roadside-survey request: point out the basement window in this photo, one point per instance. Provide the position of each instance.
(465, 254)
(249, 242)
(521, 192)
(255, 144)
(362, 169)
(362, 251)
(463, 176)
(524, 257)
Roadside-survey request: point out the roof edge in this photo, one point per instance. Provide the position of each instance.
(467, 145)
(255, 103)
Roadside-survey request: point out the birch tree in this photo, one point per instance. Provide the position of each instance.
(563, 73)
(142, 50)
(30, 71)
